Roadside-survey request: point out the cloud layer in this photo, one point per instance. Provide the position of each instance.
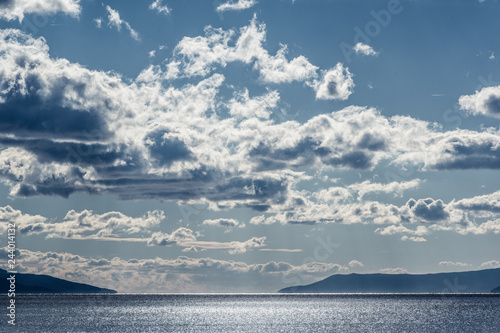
(182, 274)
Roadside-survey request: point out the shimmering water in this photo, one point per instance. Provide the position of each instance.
(256, 313)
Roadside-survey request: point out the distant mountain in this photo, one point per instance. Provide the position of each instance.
(461, 282)
(496, 290)
(32, 283)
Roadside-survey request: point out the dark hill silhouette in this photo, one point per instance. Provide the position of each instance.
(460, 282)
(34, 284)
(496, 290)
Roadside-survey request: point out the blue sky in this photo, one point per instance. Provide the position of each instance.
(246, 146)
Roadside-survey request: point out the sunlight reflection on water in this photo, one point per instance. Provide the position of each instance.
(258, 313)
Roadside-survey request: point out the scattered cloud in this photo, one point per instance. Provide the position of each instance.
(337, 83)
(364, 49)
(236, 5)
(177, 275)
(428, 209)
(395, 188)
(490, 264)
(224, 223)
(281, 250)
(82, 225)
(242, 106)
(115, 21)
(199, 56)
(160, 7)
(17, 9)
(115, 226)
(132, 139)
(395, 270)
(453, 264)
(484, 102)
(355, 263)
(413, 239)
(175, 238)
(489, 203)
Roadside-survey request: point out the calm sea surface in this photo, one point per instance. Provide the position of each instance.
(256, 313)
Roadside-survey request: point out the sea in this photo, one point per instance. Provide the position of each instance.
(139, 313)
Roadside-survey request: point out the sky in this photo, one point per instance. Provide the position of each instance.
(185, 146)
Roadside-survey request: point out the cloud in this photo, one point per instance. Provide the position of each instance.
(490, 264)
(410, 235)
(400, 229)
(281, 250)
(276, 267)
(307, 210)
(337, 83)
(488, 227)
(236, 5)
(342, 139)
(10, 215)
(160, 7)
(395, 270)
(413, 239)
(114, 20)
(234, 247)
(428, 209)
(364, 49)
(115, 226)
(82, 225)
(176, 275)
(241, 105)
(67, 129)
(199, 56)
(224, 223)
(395, 188)
(187, 238)
(241, 247)
(100, 134)
(355, 263)
(176, 237)
(453, 264)
(484, 102)
(17, 9)
(483, 203)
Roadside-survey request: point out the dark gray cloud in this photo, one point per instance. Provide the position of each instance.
(166, 151)
(355, 160)
(428, 209)
(471, 156)
(332, 89)
(493, 105)
(302, 154)
(484, 102)
(32, 116)
(67, 152)
(482, 203)
(371, 142)
(307, 152)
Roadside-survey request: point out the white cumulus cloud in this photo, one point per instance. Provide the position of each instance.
(236, 5)
(364, 49)
(17, 9)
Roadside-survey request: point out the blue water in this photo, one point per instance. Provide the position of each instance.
(256, 313)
